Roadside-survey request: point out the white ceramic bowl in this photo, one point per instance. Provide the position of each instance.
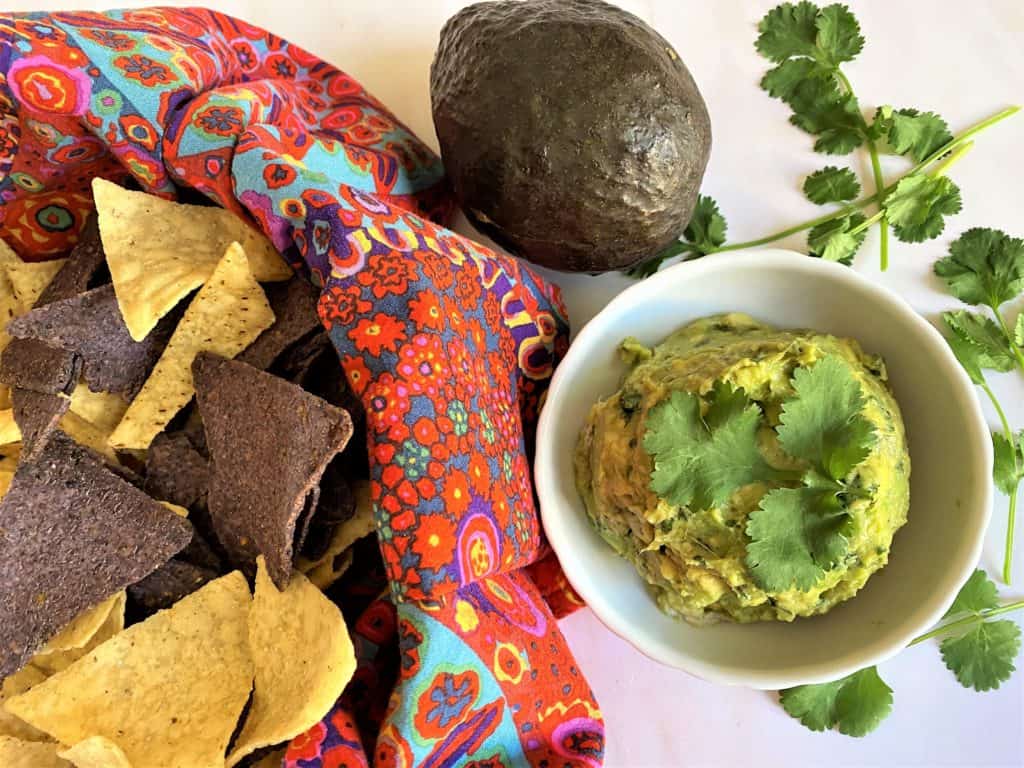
(950, 449)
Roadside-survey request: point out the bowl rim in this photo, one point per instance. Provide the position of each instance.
(878, 651)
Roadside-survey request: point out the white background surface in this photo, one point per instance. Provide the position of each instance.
(964, 60)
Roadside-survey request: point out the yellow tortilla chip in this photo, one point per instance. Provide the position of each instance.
(303, 656)
(9, 455)
(15, 685)
(7, 254)
(9, 309)
(167, 691)
(96, 752)
(15, 753)
(82, 628)
(57, 661)
(102, 409)
(9, 431)
(28, 279)
(158, 251)
(88, 434)
(225, 317)
(324, 571)
(176, 508)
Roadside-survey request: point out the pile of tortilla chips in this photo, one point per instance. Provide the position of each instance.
(163, 592)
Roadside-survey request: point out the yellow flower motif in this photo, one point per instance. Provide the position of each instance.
(466, 616)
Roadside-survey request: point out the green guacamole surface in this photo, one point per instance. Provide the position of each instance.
(693, 560)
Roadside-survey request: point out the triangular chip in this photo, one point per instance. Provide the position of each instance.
(227, 314)
(82, 628)
(37, 415)
(91, 326)
(96, 752)
(33, 364)
(294, 305)
(72, 533)
(102, 409)
(159, 251)
(58, 661)
(15, 685)
(85, 265)
(254, 420)
(168, 584)
(30, 279)
(15, 753)
(7, 254)
(304, 659)
(167, 691)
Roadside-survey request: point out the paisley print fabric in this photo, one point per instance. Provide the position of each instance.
(449, 345)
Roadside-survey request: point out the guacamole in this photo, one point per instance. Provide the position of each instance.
(694, 559)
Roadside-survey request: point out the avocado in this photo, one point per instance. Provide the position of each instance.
(572, 132)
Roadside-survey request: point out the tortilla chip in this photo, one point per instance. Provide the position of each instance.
(72, 533)
(176, 471)
(9, 431)
(15, 685)
(181, 677)
(273, 759)
(177, 509)
(7, 254)
(15, 753)
(294, 304)
(30, 279)
(104, 410)
(57, 661)
(303, 656)
(159, 251)
(335, 505)
(81, 628)
(32, 364)
(168, 584)
(345, 535)
(91, 326)
(227, 314)
(85, 266)
(88, 434)
(37, 415)
(255, 512)
(96, 752)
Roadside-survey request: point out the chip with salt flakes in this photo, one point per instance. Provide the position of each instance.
(96, 752)
(303, 657)
(182, 679)
(159, 251)
(15, 753)
(29, 279)
(226, 315)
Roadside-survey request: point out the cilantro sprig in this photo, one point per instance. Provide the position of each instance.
(985, 268)
(807, 46)
(978, 649)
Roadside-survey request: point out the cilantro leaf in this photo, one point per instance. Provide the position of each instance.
(982, 658)
(918, 204)
(857, 704)
(968, 355)
(707, 226)
(788, 30)
(697, 464)
(984, 266)
(823, 424)
(782, 81)
(831, 185)
(836, 240)
(993, 348)
(1007, 464)
(796, 534)
(977, 594)
(908, 131)
(821, 110)
(839, 38)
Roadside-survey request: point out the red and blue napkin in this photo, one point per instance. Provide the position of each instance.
(449, 345)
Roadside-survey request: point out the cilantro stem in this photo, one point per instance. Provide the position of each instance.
(1009, 336)
(972, 618)
(876, 217)
(1011, 515)
(952, 160)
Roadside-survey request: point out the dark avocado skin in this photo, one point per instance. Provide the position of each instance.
(572, 132)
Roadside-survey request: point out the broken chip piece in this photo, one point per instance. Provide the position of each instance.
(33, 364)
(37, 415)
(226, 315)
(254, 511)
(294, 305)
(176, 471)
(168, 584)
(182, 678)
(30, 279)
(96, 752)
(303, 658)
(330, 566)
(72, 533)
(85, 265)
(90, 325)
(159, 251)
(104, 410)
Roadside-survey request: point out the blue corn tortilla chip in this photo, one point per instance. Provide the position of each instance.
(40, 367)
(294, 305)
(254, 422)
(72, 533)
(166, 585)
(37, 415)
(85, 268)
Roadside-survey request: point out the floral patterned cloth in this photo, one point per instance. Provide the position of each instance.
(449, 345)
